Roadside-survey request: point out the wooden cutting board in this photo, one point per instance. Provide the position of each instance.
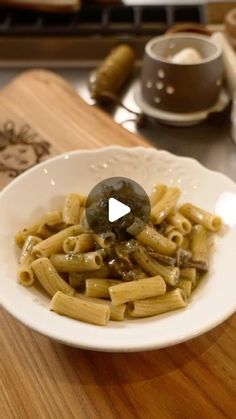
(41, 113)
(43, 379)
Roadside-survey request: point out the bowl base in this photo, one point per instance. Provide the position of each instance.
(180, 119)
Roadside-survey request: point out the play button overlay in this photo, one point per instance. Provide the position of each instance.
(115, 204)
(116, 210)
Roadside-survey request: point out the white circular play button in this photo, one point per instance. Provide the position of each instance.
(115, 203)
(116, 210)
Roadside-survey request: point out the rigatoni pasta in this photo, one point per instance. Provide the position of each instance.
(165, 205)
(117, 312)
(82, 262)
(71, 209)
(172, 300)
(54, 244)
(199, 216)
(150, 237)
(199, 247)
(98, 287)
(51, 219)
(78, 244)
(176, 237)
(134, 290)
(49, 278)
(25, 272)
(181, 223)
(80, 309)
(186, 286)
(169, 273)
(77, 279)
(105, 240)
(27, 256)
(44, 231)
(157, 193)
(142, 272)
(190, 274)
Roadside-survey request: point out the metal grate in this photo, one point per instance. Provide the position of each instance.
(145, 20)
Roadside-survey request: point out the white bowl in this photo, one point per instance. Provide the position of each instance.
(44, 186)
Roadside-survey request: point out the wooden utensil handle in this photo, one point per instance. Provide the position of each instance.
(45, 5)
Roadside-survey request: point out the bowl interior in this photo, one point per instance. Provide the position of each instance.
(45, 186)
(164, 48)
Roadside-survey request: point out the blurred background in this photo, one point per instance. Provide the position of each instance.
(70, 31)
(73, 37)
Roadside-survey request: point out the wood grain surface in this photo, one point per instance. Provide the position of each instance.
(40, 378)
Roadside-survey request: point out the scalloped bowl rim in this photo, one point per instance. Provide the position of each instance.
(111, 344)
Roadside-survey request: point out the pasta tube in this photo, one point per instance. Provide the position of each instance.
(186, 243)
(71, 209)
(27, 256)
(50, 218)
(50, 280)
(150, 237)
(117, 313)
(157, 193)
(105, 239)
(176, 237)
(77, 263)
(165, 205)
(78, 244)
(133, 274)
(25, 273)
(134, 290)
(151, 306)
(43, 231)
(199, 246)
(167, 228)
(80, 309)
(153, 267)
(199, 216)
(181, 223)
(186, 286)
(54, 244)
(189, 274)
(77, 279)
(98, 287)
(153, 272)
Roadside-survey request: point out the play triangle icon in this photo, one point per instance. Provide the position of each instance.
(117, 210)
